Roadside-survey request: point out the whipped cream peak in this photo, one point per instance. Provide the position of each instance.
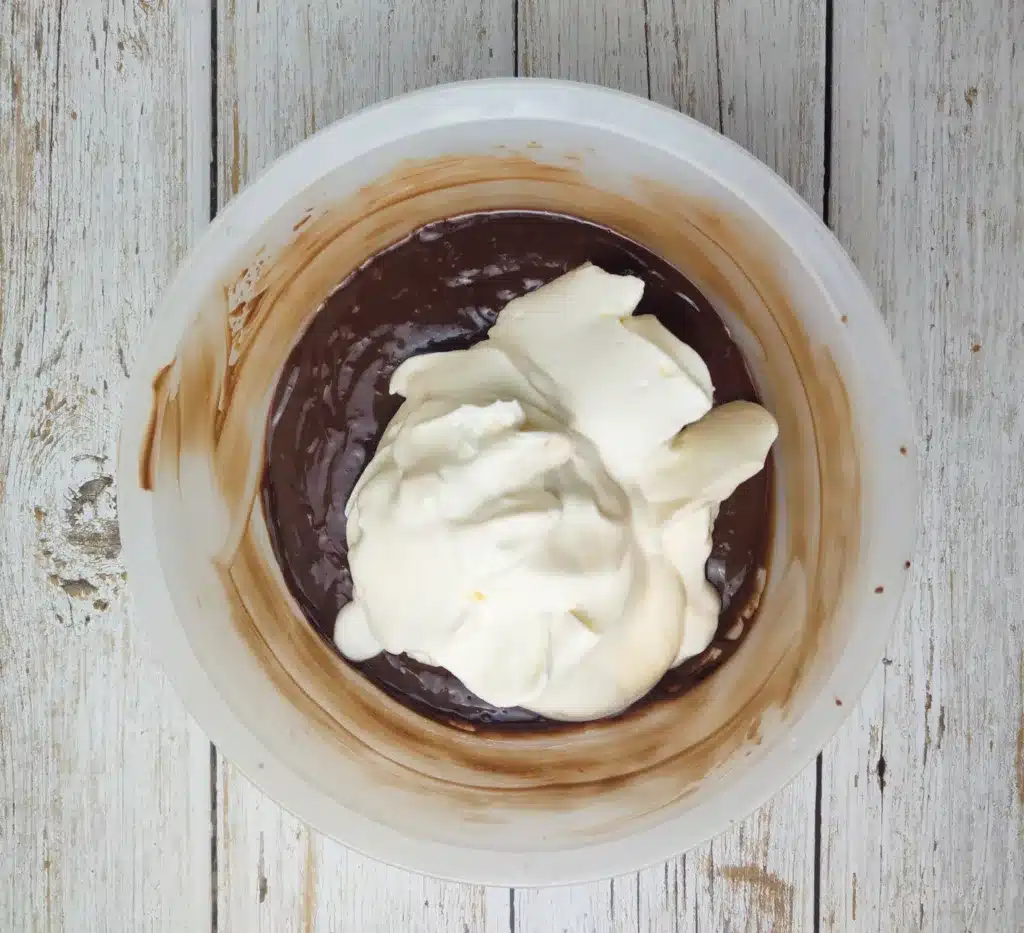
(538, 514)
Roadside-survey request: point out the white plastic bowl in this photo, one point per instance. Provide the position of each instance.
(609, 797)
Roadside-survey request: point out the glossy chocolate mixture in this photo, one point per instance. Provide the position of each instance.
(441, 289)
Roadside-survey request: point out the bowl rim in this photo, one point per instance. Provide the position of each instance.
(387, 122)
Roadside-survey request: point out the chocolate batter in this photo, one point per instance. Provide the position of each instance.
(441, 289)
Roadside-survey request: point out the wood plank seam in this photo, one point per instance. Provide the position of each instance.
(214, 181)
(825, 210)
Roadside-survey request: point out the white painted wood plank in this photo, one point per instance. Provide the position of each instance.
(749, 870)
(281, 75)
(275, 874)
(760, 69)
(756, 877)
(759, 876)
(612, 905)
(683, 55)
(927, 175)
(104, 161)
(753, 71)
(772, 57)
(600, 42)
(597, 41)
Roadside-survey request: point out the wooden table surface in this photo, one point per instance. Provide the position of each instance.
(124, 124)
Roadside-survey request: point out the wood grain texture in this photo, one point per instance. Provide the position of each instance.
(281, 75)
(923, 800)
(601, 42)
(683, 56)
(276, 875)
(597, 41)
(772, 67)
(758, 73)
(757, 878)
(104, 161)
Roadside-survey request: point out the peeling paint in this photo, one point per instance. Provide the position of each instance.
(771, 894)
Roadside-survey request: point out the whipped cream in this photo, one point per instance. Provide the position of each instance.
(538, 514)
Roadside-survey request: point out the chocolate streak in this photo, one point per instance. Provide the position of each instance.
(441, 289)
